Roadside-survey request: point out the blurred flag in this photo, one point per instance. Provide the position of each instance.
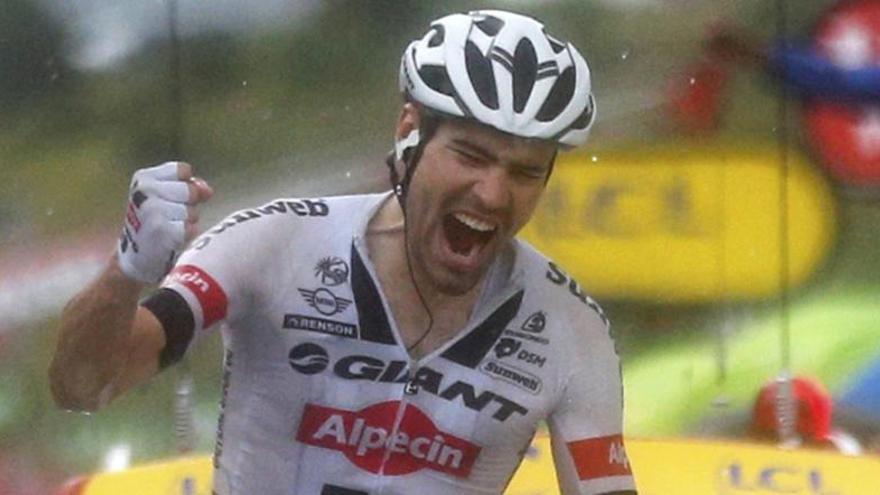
(695, 97)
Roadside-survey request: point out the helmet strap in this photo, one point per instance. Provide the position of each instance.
(402, 145)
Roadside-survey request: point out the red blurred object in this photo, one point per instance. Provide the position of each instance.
(76, 486)
(847, 136)
(813, 407)
(695, 97)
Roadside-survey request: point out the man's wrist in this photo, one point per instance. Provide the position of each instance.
(123, 278)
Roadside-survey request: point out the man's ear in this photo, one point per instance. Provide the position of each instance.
(407, 135)
(407, 121)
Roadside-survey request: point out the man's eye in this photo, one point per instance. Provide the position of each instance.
(531, 173)
(466, 156)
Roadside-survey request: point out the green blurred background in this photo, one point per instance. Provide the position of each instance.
(276, 98)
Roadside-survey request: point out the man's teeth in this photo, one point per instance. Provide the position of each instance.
(474, 223)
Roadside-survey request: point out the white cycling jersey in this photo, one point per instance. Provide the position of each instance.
(320, 396)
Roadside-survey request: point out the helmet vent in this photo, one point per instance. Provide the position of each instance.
(559, 96)
(479, 70)
(437, 38)
(555, 44)
(437, 79)
(490, 25)
(525, 66)
(586, 117)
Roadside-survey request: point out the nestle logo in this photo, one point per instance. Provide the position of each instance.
(367, 438)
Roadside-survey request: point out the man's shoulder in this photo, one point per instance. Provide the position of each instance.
(553, 287)
(288, 209)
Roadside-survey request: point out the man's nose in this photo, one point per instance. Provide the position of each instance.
(492, 188)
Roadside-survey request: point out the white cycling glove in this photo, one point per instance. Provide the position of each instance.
(154, 232)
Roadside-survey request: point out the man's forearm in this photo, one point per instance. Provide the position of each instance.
(94, 340)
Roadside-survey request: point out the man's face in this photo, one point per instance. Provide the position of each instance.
(473, 189)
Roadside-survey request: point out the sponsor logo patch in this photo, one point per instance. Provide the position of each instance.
(368, 440)
(320, 325)
(506, 347)
(332, 271)
(324, 301)
(510, 347)
(300, 207)
(211, 296)
(535, 323)
(308, 359)
(600, 457)
(512, 375)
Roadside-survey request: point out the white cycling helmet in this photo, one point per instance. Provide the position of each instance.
(503, 70)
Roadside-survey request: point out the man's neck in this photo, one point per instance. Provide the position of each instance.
(386, 242)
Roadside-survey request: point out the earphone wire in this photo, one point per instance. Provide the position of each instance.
(400, 189)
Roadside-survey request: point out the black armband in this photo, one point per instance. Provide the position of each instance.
(177, 321)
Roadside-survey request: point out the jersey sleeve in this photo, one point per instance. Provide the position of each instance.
(209, 284)
(586, 427)
(812, 74)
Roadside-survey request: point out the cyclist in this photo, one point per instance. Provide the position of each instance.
(382, 343)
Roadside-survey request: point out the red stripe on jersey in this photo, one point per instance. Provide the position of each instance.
(211, 296)
(600, 457)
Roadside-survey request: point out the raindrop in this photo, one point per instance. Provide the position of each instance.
(348, 175)
(624, 54)
(244, 83)
(693, 80)
(50, 212)
(594, 159)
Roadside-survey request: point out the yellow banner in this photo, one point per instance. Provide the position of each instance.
(684, 224)
(661, 467)
(717, 468)
(694, 467)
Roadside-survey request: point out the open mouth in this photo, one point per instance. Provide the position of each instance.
(467, 234)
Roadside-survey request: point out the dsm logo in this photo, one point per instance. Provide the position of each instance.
(332, 271)
(507, 347)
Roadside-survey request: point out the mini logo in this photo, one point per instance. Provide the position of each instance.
(332, 270)
(506, 347)
(325, 301)
(369, 440)
(535, 323)
(308, 358)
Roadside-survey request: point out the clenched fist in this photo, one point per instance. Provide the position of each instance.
(160, 219)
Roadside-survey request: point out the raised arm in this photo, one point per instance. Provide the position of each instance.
(107, 343)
